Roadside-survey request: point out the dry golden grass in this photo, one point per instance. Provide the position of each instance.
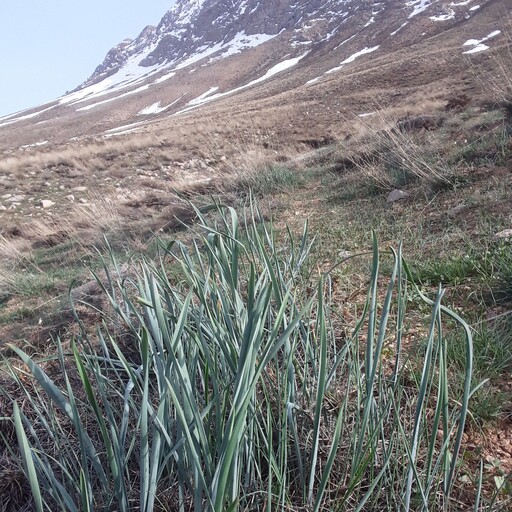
(86, 157)
(389, 139)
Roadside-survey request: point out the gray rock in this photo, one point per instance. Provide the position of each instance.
(74, 173)
(46, 203)
(506, 233)
(15, 199)
(396, 195)
(453, 212)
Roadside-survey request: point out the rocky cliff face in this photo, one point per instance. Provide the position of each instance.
(219, 28)
(184, 30)
(193, 27)
(192, 30)
(118, 56)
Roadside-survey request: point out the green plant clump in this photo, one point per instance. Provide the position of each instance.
(232, 390)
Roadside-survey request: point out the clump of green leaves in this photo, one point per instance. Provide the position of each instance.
(231, 390)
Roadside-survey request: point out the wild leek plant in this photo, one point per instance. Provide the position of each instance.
(232, 387)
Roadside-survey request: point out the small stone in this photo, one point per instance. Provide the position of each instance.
(79, 189)
(74, 173)
(83, 201)
(70, 197)
(15, 199)
(61, 187)
(2, 208)
(506, 233)
(396, 195)
(46, 203)
(453, 212)
(6, 196)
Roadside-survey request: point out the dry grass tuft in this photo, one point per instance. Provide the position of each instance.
(391, 152)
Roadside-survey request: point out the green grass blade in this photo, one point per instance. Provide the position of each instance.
(28, 462)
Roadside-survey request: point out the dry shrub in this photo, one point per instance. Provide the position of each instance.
(387, 156)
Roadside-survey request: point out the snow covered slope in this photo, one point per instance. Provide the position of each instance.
(208, 51)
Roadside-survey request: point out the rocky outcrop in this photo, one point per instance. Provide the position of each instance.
(119, 55)
(193, 26)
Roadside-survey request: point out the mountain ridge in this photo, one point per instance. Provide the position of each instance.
(290, 52)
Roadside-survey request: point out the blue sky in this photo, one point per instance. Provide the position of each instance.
(50, 46)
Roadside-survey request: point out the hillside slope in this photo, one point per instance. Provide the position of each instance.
(319, 59)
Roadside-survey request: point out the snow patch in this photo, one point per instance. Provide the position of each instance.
(444, 17)
(240, 41)
(94, 105)
(201, 99)
(155, 108)
(124, 127)
(41, 143)
(12, 120)
(372, 20)
(165, 77)
(116, 134)
(419, 6)
(398, 29)
(353, 57)
(207, 97)
(346, 41)
(333, 70)
(477, 43)
(85, 92)
(478, 48)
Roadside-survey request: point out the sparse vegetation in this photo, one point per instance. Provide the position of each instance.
(240, 367)
(234, 389)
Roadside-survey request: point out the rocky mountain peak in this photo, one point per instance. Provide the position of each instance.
(194, 26)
